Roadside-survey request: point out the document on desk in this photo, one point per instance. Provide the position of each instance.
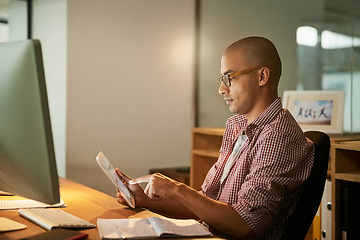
(27, 203)
(153, 227)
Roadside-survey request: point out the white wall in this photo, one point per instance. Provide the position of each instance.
(17, 20)
(129, 92)
(49, 26)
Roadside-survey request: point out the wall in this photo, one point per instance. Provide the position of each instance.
(223, 22)
(17, 20)
(49, 25)
(130, 86)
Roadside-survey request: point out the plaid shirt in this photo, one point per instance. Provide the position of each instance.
(264, 184)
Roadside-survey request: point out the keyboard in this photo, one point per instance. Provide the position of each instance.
(50, 218)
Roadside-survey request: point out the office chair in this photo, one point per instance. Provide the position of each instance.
(309, 201)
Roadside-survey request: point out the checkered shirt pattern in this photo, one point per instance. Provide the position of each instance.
(264, 184)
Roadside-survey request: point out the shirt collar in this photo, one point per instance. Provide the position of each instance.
(269, 114)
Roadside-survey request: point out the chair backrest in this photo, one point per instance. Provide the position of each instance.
(310, 198)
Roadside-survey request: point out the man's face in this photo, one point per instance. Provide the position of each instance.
(241, 95)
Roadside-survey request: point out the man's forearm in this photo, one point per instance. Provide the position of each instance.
(217, 214)
(170, 208)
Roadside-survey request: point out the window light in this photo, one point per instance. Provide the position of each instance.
(307, 36)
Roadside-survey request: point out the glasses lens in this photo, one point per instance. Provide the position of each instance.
(226, 80)
(220, 79)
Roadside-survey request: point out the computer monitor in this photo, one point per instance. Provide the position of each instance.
(27, 157)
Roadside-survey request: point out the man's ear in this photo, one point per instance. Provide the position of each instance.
(264, 76)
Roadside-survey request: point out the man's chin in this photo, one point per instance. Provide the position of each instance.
(233, 110)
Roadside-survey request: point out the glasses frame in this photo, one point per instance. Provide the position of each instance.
(225, 78)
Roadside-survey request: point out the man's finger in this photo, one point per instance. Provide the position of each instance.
(140, 179)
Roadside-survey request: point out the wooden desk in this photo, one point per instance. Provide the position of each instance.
(81, 201)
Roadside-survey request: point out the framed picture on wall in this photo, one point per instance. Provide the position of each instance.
(316, 110)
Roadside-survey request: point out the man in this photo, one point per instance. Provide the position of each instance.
(253, 187)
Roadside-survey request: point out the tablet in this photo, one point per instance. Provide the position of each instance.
(110, 172)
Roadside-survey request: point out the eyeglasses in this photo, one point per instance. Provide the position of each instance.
(227, 77)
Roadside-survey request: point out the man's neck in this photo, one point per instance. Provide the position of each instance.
(259, 109)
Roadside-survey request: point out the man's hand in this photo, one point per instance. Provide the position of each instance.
(136, 189)
(158, 187)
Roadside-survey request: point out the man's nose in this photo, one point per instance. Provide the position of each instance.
(223, 89)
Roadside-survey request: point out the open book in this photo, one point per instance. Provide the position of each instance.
(152, 227)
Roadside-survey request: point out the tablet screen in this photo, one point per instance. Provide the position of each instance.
(111, 173)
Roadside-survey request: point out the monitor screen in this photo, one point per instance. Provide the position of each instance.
(27, 157)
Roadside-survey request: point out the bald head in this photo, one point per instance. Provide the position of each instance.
(253, 67)
(257, 51)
